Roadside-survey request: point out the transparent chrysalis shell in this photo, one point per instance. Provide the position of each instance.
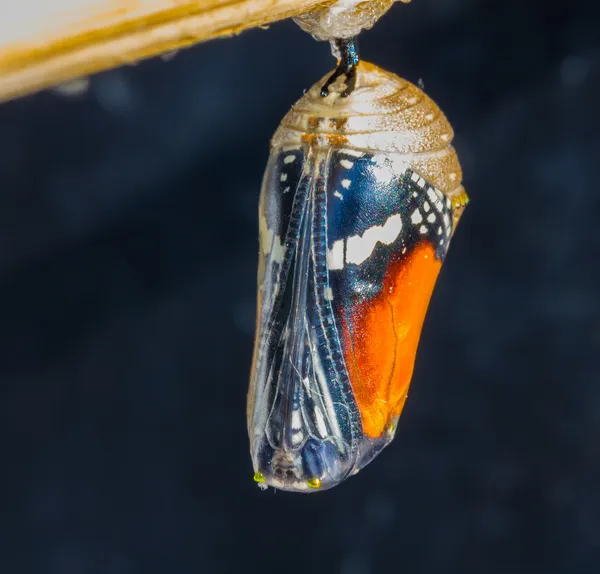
(359, 202)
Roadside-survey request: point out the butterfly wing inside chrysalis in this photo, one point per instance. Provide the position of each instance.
(302, 413)
(393, 229)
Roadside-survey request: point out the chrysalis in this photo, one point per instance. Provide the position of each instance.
(360, 198)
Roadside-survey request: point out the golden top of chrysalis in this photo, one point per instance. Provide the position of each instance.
(385, 114)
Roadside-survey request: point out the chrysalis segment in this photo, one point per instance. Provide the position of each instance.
(302, 414)
(353, 232)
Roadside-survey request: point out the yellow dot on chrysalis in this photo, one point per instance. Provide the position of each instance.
(259, 477)
(314, 483)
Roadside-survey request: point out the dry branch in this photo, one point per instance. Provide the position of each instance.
(43, 43)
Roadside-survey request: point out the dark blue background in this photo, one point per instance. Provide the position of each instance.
(128, 247)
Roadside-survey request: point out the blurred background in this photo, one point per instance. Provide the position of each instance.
(128, 250)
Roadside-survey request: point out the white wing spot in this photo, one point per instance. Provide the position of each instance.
(296, 420)
(346, 163)
(431, 195)
(328, 294)
(335, 255)
(283, 177)
(426, 206)
(439, 231)
(354, 153)
(421, 183)
(265, 234)
(320, 420)
(289, 158)
(431, 218)
(423, 230)
(338, 194)
(399, 164)
(286, 190)
(359, 248)
(414, 177)
(416, 217)
(383, 172)
(346, 183)
(278, 250)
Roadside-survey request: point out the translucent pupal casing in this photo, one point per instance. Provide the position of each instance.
(360, 199)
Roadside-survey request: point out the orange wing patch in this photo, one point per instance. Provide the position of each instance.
(382, 335)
